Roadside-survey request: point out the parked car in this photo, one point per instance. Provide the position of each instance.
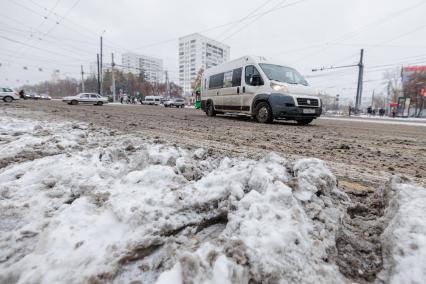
(151, 100)
(175, 103)
(45, 97)
(255, 87)
(8, 95)
(86, 98)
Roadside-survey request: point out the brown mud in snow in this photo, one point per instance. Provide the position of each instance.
(369, 153)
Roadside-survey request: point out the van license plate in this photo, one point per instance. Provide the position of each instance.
(308, 110)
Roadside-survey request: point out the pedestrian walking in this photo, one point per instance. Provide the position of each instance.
(22, 94)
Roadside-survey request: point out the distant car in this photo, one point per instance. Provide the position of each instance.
(8, 95)
(175, 103)
(45, 97)
(34, 96)
(86, 98)
(25, 96)
(151, 100)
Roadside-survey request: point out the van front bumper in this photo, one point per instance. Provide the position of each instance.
(296, 112)
(283, 107)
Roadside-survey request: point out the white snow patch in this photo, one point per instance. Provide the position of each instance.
(404, 239)
(95, 211)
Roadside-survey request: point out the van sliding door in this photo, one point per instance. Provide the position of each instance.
(231, 90)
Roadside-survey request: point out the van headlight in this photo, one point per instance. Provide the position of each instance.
(279, 88)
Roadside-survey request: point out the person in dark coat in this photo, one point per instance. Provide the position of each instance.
(22, 94)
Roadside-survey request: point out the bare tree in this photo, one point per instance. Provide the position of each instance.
(379, 101)
(197, 81)
(127, 82)
(393, 84)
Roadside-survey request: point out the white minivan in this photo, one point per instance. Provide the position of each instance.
(152, 100)
(253, 86)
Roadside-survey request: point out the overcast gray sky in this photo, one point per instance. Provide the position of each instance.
(64, 34)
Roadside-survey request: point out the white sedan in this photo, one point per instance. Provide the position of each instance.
(86, 98)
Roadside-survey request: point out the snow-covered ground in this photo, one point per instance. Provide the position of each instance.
(83, 204)
(421, 122)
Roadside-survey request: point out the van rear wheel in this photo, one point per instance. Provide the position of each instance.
(263, 113)
(210, 110)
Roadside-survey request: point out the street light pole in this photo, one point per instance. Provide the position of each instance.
(82, 79)
(100, 73)
(101, 85)
(113, 77)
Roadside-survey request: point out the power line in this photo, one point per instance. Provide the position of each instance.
(32, 46)
(356, 32)
(212, 28)
(63, 17)
(246, 17)
(256, 18)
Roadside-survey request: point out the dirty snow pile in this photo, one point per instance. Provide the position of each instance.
(404, 238)
(83, 204)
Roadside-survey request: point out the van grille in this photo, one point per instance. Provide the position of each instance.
(307, 102)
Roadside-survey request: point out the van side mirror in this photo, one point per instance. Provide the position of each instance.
(256, 80)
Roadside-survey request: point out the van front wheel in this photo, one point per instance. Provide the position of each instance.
(264, 113)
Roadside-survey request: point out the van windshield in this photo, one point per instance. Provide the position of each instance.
(283, 74)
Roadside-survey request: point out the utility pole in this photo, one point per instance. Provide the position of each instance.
(167, 85)
(113, 77)
(100, 73)
(372, 99)
(359, 86)
(336, 102)
(99, 78)
(360, 66)
(82, 79)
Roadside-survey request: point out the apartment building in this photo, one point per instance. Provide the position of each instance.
(195, 52)
(151, 66)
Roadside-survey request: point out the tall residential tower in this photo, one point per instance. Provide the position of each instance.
(151, 66)
(196, 52)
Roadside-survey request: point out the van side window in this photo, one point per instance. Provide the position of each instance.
(216, 81)
(227, 79)
(250, 71)
(236, 77)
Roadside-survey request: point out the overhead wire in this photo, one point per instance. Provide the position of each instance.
(356, 32)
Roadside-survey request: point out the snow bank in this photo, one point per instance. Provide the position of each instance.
(109, 207)
(404, 239)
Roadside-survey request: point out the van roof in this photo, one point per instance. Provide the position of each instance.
(238, 62)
